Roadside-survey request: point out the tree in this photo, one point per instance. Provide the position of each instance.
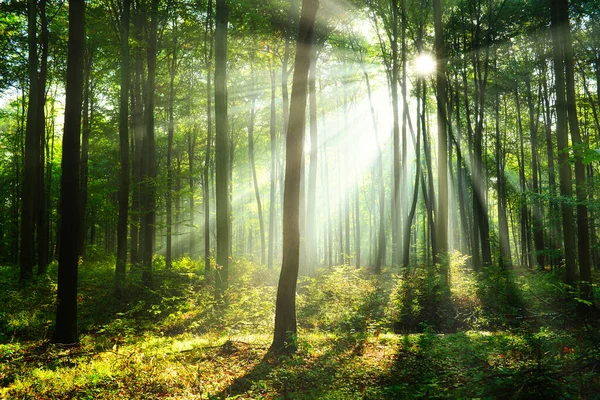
(222, 148)
(30, 173)
(66, 312)
(149, 153)
(285, 308)
(123, 150)
(441, 217)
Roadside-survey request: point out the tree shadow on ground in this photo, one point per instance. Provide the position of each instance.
(300, 375)
(423, 301)
(476, 365)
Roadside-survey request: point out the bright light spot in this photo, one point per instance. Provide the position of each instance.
(424, 64)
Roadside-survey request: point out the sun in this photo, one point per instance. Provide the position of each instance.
(424, 64)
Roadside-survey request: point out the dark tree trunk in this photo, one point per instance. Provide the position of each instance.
(123, 152)
(274, 156)
(30, 180)
(149, 167)
(137, 121)
(311, 233)
(564, 172)
(441, 218)
(503, 236)
(207, 156)
(85, 140)
(222, 149)
(583, 230)
(66, 312)
(537, 223)
(254, 176)
(170, 133)
(285, 311)
(43, 233)
(396, 136)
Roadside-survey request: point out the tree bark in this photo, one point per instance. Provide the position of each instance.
(285, 310)
(120, 269)
(149, 154)
(441, 218)
(66, 312)
(30, 180)
(222, 149)
(564, 172)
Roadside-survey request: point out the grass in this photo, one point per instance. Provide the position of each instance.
(496, 334)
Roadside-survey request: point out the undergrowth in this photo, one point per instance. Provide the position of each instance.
(495, 334)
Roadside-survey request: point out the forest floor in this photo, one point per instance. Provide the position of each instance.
(495, 334)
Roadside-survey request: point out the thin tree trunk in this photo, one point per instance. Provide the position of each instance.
(222, 149)
(43, 234)
(284, 337)
(170, 133)
(207, 157)
(583, 231)
(149, 197)
(253, 171)
(30, 181)
(565, 177)
(66, 312)
(274, 155)
(120, 269)
(441, 218)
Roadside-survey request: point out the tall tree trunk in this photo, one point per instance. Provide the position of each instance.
(554, 213)
(524, 220)
(253, 171)
(537, 223)
(170, 133)
(413, 206)
(120, 269)
(222, 149)
(396, 137)
(503, 236)
(208, 37)
(311, 234)
(149, 177)
(85, 141)
(137, 122)
(43, 249)
(30, 181)
(274, 155)
(564, 172)
(66, 312)
(583, 230)
(285, 308)
(441, 218)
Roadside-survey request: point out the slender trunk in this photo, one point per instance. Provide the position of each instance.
(222, 149)
(396, 136)
(284, 337)
(564, 172)
(207, 157)
(537, 223)
(311, 234)
(583, 231)
(274, 155)
(254, 176)
(66, 312)
(30, 181)
(149, 197)
(85, 144)
(170, 133)
(43, 250)
(123, 152)
(442, 142)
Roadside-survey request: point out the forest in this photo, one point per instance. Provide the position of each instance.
(299, 199)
